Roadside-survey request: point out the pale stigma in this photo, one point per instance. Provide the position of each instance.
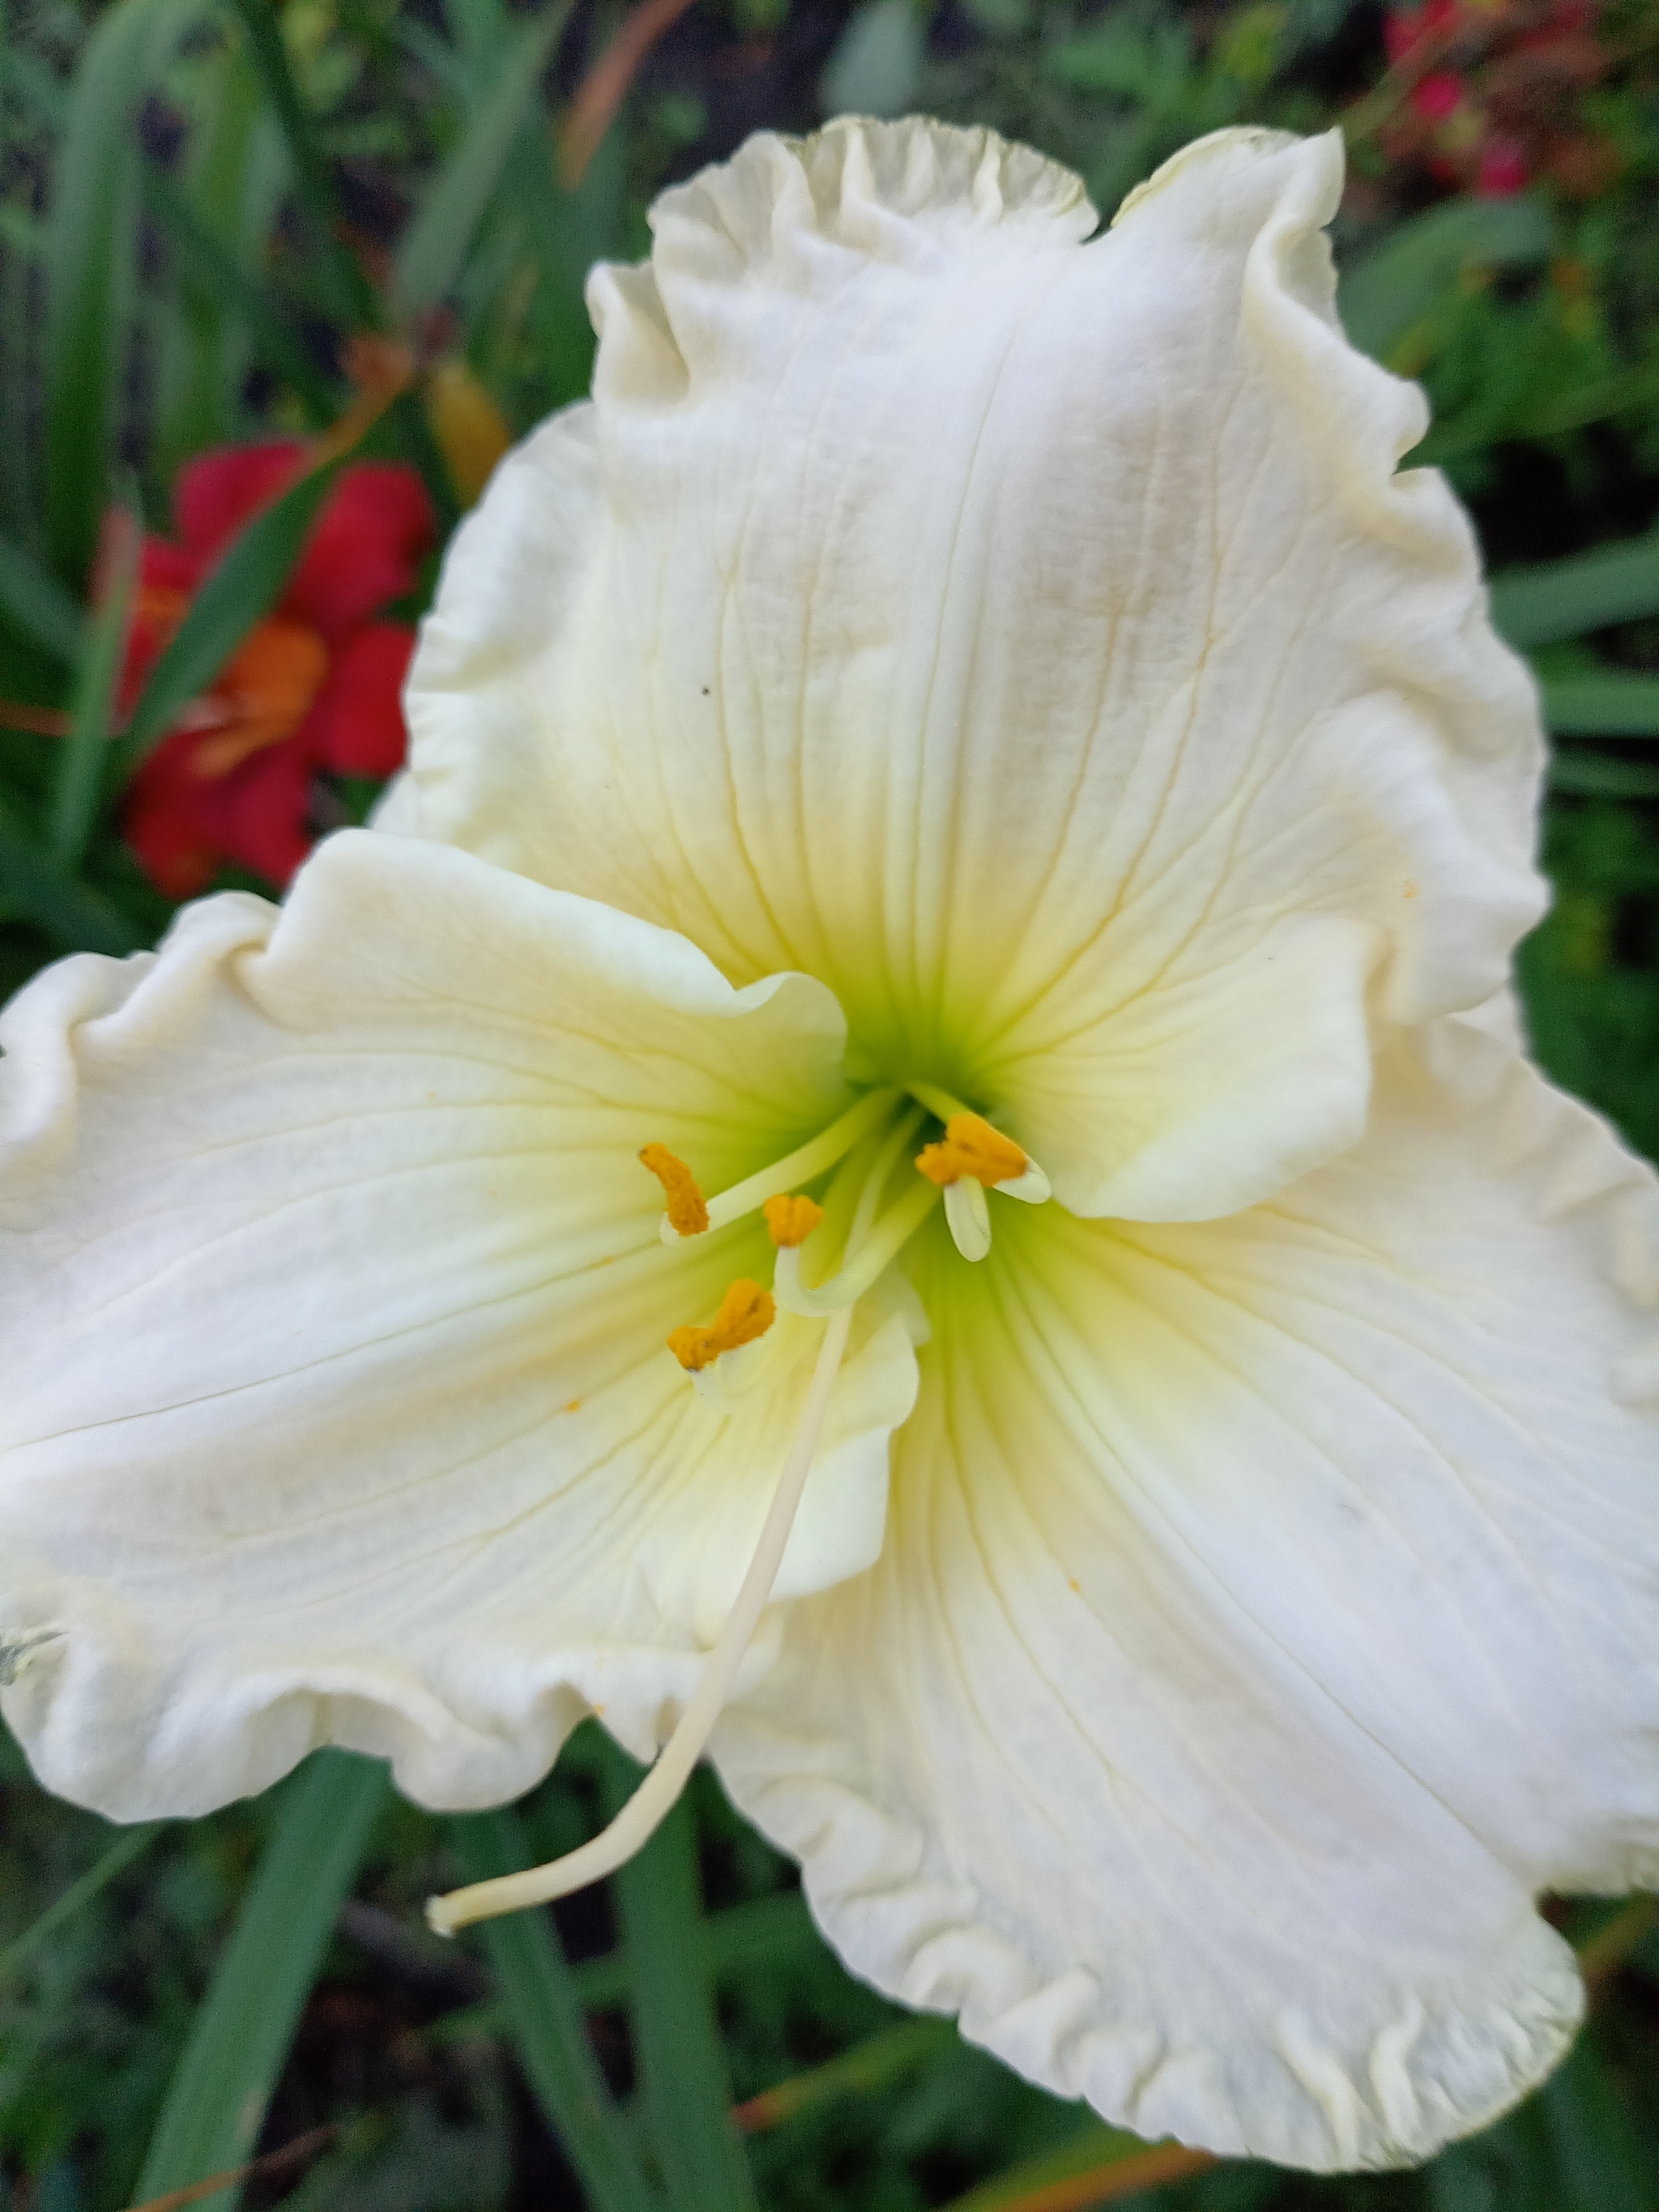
(657, 1794)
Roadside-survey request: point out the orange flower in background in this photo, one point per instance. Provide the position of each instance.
(313, 689)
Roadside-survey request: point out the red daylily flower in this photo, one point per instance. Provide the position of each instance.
(312, 687)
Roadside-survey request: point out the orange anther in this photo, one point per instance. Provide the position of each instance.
(746, 1312)
(686, 1210)
(971, 1146)
(790, 1220)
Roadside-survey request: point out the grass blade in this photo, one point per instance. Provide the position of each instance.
(353, 297)
(431, 251)
(239, 592)
(216, 2102)
(72, 914)
(37, 605)
(763, 1933)
(130, 1844)
(1097, 2167)
(545, 2016)
(1399, 281)
(1563, 598)
(875, 2064)
(263, 2169)
(204, 261)
(81, 762)
(91, 267)
(1607, 703)
(1593, 775)
(677, 2039)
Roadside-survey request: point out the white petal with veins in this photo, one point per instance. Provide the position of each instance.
(1031, 638)
(1270, 1610)
(336, 1406)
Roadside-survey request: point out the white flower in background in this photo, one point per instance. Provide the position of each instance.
(963, 693)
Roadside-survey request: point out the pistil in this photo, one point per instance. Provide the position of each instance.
(657, 1794)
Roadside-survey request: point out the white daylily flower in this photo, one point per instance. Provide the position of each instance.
(958, 692)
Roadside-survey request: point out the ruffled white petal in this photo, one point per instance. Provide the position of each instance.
(1031, 638)
(336, 1405)
(1270, 1609)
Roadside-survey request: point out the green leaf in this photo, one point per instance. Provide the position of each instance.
(1587, 590)
(1593, 775)
(676, 2039)
(216, 2102)
(756, 1937)
(432, 249)
(130, 1844)
(77, 917)
(876, 67)
(37, 605)
(1117, 2164)
(206, 263)
(545, 2017)
(1397, 282)
(1599, 2152)
(1608, 704)
(353, 295)
(80, 762)
(875, 2064)
(240, 591)
(91, 265)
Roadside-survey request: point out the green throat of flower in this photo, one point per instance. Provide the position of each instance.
(876, 1190)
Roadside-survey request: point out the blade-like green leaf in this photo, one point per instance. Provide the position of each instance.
(877, 61)
(676, 2039)
(19, 368)
(242, 591)
(81, 762)
(1397, 282)
(875, 2064)
(1608, 704)
(1593, 775)
(77, 917)
(1097, 2167)
(91, 265)
(37, 605)
(1563, 598)
(204, 260)
(435, 242)
(129, 1845)
(764, 1933)
(545, 2016)
(354, 299)
(1603, 2163)
(215, 2101)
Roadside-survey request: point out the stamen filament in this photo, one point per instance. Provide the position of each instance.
(886, 1240)
(798, 1167)
(657, 1794)
(939, 1103)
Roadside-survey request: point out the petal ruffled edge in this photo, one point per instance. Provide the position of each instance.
(1475, 1997)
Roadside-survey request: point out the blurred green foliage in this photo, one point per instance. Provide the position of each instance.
(199, 203)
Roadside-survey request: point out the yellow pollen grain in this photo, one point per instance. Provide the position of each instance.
(687, 1212)
(746, 1312)
(971, 1146)
(791, 1220)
